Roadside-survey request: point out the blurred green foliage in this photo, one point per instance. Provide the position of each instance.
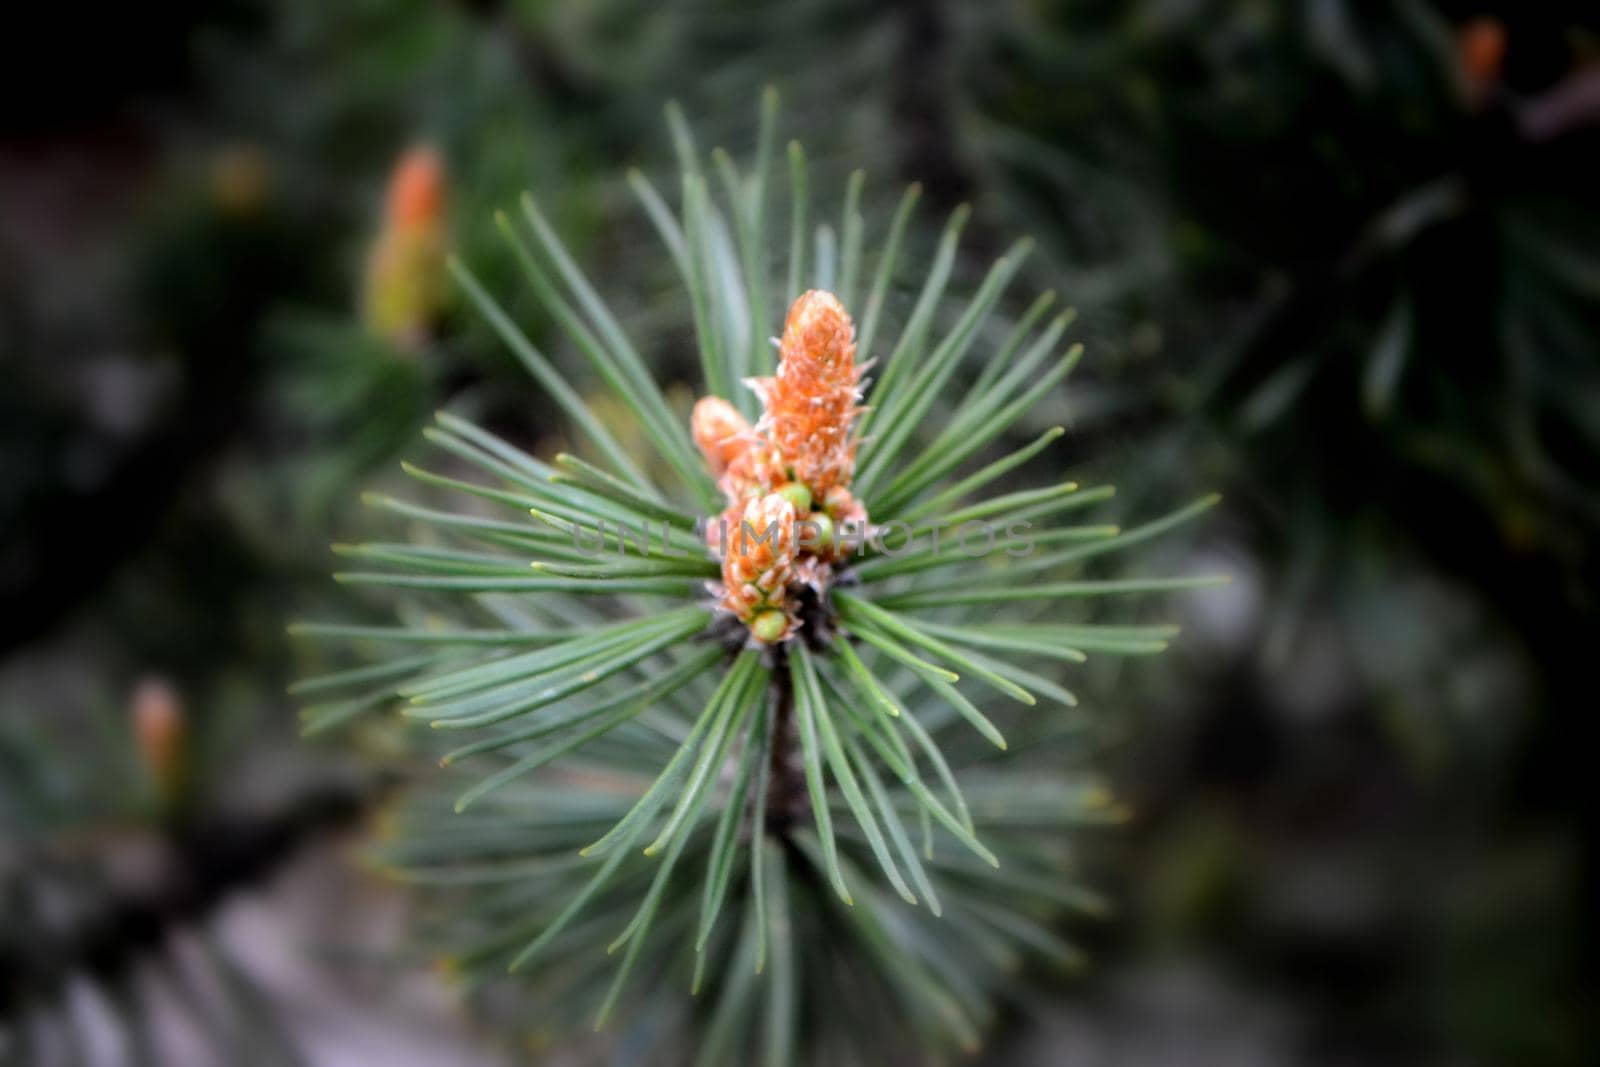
(1323, 262)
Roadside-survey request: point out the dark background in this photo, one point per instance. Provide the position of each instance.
(1340, 260)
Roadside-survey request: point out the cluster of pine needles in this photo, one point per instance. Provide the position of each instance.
(812, 788)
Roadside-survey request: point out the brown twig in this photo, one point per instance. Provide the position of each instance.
(783, 785)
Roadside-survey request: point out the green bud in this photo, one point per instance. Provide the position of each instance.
(797, 494)
(768, 626)
(823, 533)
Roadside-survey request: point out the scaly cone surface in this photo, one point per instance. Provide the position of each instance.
(800, 453)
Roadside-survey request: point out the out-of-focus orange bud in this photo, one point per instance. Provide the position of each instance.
(1481, 47)
(416, 188)
(405, 289)
(159, 733)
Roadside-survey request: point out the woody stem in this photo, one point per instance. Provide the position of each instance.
(783, 784)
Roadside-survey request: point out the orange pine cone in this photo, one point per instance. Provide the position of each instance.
(795, 463)
(813, 399)
(758, 562)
